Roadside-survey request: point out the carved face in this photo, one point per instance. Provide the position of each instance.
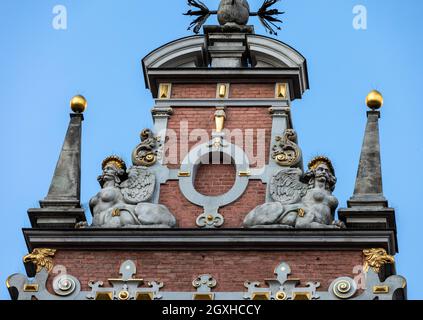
(322, 172)
(110, 173)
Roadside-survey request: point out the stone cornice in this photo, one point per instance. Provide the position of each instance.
(207, 103)
(293, 76)
(222, 239)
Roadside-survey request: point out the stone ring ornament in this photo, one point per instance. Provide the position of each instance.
(281, 296)
(65, 285)
(343, 288)
(211, 204)
(124, 295)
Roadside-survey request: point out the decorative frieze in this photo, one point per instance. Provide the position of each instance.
(283, 287)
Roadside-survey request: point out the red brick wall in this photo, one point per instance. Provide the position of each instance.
(236, 212)
(248, 120)
(215, 179)
(237, 118)
(194, 91)
(209, 90)
(187, 213)
(266, 90)
(231, 269)
(196, 118)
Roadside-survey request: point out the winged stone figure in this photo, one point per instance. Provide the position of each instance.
(286, 187)
(140, 185)
(123, 199)
(300, 201)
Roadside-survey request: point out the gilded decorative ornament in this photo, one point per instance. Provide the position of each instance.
(124, 295)
(115, 161)
(281, 296)
(116, 212)
(125, 288)
(317, 161)
(146, 153)
(380, 289)
(78, 104)
(344, 288)
(376, 259)
(31, 287)
(282, 288)
(41, 258)
(286, 152)
(220, 117)
(374, 100)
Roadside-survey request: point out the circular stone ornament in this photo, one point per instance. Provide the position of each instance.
(281, 296)
(124, 295)
(201, 155)
(64, 285)
(343, 288)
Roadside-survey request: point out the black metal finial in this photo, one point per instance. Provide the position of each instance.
(203, 14)
(232, 11)
(267, 17)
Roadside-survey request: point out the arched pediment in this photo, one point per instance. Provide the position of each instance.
(190, 52)
(191, 55)
(183, 53)
(268, 52)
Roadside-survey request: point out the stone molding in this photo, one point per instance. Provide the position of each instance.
(210, 239)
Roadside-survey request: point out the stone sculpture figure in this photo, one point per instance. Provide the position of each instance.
(301, 201)
(233, 12)
(122, 201)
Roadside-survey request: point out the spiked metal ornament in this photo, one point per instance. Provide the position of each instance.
(235, 12)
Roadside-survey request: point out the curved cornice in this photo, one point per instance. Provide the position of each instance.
(192, 53)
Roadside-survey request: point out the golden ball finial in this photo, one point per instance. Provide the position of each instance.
(78, 104)
(374, 100)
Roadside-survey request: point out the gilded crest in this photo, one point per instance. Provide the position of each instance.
(146, 153)
(41, 258)
(376, 259)
(286, 152)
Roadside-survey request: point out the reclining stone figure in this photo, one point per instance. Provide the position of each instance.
(123, 200)
(301, 201)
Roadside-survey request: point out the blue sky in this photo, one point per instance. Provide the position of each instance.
(99, 56)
